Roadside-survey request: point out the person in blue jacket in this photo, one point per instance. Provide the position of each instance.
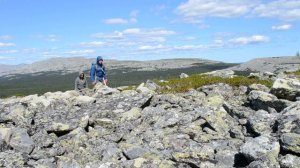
(98, 72)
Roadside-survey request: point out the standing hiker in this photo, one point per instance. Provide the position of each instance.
(98, 72)
(80, 82)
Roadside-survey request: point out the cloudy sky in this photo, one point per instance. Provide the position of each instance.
(225, 30)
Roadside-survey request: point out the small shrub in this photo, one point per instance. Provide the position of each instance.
(196, 81)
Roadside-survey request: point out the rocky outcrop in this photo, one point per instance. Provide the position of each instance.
(286, 88)
(226, 73)
(211, 126)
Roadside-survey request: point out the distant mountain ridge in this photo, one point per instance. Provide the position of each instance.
(74, 64)
(270, 64)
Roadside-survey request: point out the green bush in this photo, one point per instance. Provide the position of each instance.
(196, 81)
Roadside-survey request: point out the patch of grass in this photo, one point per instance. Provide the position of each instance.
(196, 81)
(297, 73)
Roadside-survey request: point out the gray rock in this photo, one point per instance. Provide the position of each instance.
(64, 162)
(225, 73)
(289, 120)
(262, 122)
(152, 85)
(258, 87)
(291, 142)
(183, 75)
(287, 88)
(135, 152)
(289, 161)
(262, 100)
(20, 141)
(260, 146)
(12, 159)
(46, 163)
(100, 89)
(143, 89)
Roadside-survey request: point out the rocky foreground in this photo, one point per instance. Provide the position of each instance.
(212, 126)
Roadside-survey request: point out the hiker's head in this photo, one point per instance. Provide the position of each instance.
(99, 60)
(81, 75)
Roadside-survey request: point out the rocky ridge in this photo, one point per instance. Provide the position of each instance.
(211, 126)
(70, 65)
(270, 64)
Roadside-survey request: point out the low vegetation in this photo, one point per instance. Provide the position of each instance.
(297, 73)
(196, 81)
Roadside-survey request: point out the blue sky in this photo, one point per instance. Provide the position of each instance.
(224, 30)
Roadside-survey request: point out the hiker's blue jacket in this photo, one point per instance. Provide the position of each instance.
(98, 72)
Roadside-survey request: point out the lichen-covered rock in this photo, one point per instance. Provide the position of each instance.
(262, 123)
(64, 162)
(291, 142)
(262, 100)
(287, 88)
(183, 75)
(226, 73)
(12, 159)
(216, 125)
(289, 119)
(258, 87)
(258, 147)
(20, 141)
(135, 152)
(289, 161)
(152, 85)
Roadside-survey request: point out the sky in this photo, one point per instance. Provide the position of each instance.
(224, 30)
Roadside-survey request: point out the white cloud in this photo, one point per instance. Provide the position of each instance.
(249, 40)
(190, 47)
(195, 11)
(8, 51)
(134, 36)
(148, 47)
(7, 44)
(92, 44)
(282, 27)
(152, 32)
(6, 37)
(52, 38)
(115, 21)
(281, 9)
(214, 8)
(80, 52)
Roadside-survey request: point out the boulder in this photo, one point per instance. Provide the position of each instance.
(183, 75)
(152, 85)
(226, 73)
(289, 120)
(262, 122)
(12, 159)
(289, 161)
(20, 141)
(135, 152)
(287, 88)
(143, 89)
(100, 89)
(258, 147)
(258, 87)
(262, 100)
(290, 142)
